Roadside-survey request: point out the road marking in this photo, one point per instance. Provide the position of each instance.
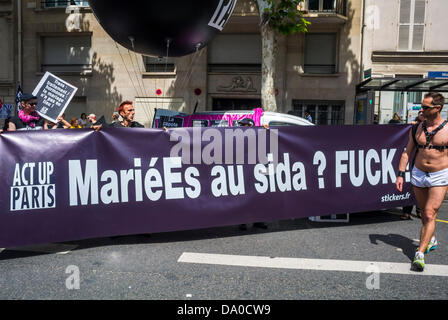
(310, 264)
(444, 221)
(57, 248)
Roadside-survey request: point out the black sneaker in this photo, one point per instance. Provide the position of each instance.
(243, 227)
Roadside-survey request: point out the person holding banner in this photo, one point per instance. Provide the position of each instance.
(127, 112)
(61, 122)
(27, 117)
(95, 124)
(430, 172)
(247, 122)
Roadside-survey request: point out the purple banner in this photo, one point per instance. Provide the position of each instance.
(62, 185)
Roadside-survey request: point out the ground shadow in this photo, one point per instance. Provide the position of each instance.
(401, 242)
(298, 224)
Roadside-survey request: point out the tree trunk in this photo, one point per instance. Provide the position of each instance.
(269, 55)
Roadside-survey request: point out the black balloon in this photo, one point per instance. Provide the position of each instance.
(155, 27)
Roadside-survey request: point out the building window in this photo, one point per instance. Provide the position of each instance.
(320, 53)
(322, 5)
(235, 53)
(322, 112)
(223, 104)
(64, 3)
(159, 64)
(411, 25)
(66, 53)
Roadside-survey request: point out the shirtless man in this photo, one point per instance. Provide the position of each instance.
(430, 172)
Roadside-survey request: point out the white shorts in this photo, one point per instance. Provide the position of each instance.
(423, 179)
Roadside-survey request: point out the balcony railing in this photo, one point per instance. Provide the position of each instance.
(324, 6)
(63, 3)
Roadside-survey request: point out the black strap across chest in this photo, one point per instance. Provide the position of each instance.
(430, 135)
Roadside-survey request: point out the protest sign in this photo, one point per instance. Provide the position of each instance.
(53, 96)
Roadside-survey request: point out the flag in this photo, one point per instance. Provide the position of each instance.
(18, 97)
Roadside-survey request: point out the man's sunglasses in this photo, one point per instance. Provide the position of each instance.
(428, 107)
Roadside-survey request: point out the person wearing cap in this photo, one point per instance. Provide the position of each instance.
(27, 117)
(248, 122)
(127, 112)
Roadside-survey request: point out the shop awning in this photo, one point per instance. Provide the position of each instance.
(403, 84)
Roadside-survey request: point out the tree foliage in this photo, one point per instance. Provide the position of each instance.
(284, 16)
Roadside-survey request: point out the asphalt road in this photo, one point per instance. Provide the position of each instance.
(140, 267)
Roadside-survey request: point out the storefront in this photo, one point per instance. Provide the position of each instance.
(380, 98)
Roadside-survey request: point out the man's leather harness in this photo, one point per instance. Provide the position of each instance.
(429, 136)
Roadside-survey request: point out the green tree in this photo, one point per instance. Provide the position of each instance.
(277, 18)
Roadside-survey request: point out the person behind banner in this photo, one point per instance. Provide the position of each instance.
(92, 119)
(308, 116)
(395, 119)
(5, 125)
(115, 117)
(74, 124)
(83, 120)
(27, 117)
(94, 123)
(61, 122)
(247, 122)
(430, 173)
(127, 112)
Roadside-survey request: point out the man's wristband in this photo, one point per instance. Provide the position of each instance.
(401, 174)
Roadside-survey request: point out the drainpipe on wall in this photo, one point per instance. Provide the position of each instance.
(19, 41)
(363, 26)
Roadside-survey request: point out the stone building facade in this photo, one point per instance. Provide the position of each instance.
(404, 38)
(318, 70)
(8, 51)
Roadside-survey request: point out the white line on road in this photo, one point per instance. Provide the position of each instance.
(311, 264)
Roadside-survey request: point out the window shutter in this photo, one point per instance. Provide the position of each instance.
(235, 48)
(419, 15)
(403, 40)
(417, 37)
(405, 11)
(320, 52)
(71, 53)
